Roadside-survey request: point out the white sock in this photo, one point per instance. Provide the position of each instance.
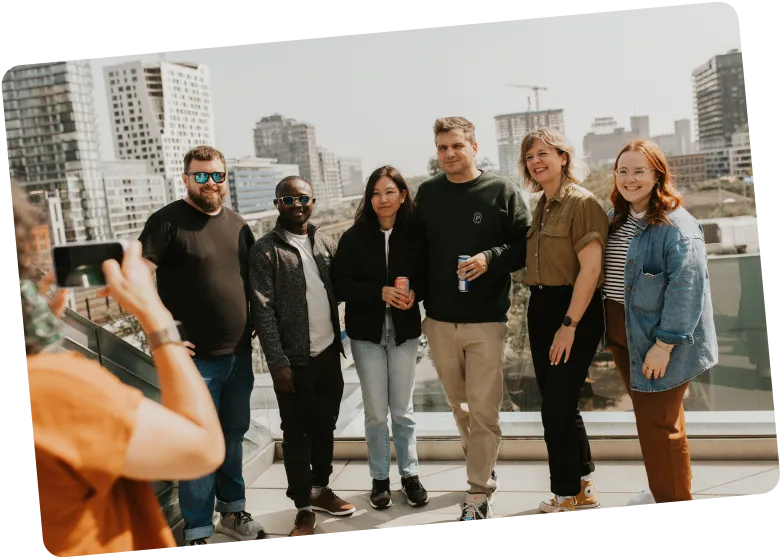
(316, 491)
(560, 499)
(588, 477)
(306, 508)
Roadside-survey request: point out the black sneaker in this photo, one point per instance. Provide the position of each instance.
(415, 493)
(475, 507)
(494, 477)
(380, 494)
(200, 541)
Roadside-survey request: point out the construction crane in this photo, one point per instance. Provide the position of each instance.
(535, 88)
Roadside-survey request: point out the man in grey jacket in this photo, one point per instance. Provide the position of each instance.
(296, 318)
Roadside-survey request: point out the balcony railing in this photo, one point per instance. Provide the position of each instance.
(732, 399)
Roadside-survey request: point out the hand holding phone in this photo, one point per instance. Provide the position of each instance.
(131, 284)
(80, 265)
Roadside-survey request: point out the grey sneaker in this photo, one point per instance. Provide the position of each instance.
(475, 507)
(240, 526)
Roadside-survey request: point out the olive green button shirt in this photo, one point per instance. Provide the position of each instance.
(560, 229)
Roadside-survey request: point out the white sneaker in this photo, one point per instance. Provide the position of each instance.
(644, 497)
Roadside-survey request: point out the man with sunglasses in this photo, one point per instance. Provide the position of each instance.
(296, 318)
(200, 250)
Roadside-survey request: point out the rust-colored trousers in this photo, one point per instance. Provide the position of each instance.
(660, 420)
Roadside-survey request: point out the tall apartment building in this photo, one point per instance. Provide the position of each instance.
(53, 145)
(133, 192)
(682, 129)
(289, 142)
(252, 183)
(510, 129)
(719, 100)
(159, 112)
(331, 191)
(352, 182)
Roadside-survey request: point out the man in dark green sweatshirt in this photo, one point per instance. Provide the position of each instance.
(467, 211)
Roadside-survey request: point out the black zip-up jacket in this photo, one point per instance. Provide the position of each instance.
(278, 301)
(359, 273)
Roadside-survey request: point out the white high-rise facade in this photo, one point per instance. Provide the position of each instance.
(352, 182)
(331, 191)
(252, 183)
(133, 192)
(159, 112)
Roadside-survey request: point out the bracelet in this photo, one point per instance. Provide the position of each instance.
(662, 347)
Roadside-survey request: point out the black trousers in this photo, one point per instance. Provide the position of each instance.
(309, 418)
(567, 443)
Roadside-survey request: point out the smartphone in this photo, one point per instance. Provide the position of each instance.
(80, 265)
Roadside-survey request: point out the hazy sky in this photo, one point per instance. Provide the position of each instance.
(376, 96)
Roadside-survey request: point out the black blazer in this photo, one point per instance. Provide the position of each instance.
(359, 273)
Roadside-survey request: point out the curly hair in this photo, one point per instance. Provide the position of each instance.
(26, 217)
(663, 199)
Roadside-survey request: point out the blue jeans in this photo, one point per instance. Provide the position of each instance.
(230, 380)
(386, 373)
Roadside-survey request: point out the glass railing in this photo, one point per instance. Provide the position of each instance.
(737, 390)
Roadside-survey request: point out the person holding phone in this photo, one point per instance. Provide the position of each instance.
(199, 251)
(383, 323)
(98, 442)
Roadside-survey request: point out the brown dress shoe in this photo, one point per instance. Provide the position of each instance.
(305, 523)
(331, 503)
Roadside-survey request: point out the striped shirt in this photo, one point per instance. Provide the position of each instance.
(615, 257)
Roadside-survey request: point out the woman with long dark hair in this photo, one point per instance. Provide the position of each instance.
(658, 307)
(383, 323)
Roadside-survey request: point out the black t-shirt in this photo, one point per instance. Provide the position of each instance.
(202, 274)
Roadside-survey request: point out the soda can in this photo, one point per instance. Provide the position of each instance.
(402, 283)
(463, 284)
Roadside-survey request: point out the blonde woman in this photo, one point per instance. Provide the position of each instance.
(564, 251)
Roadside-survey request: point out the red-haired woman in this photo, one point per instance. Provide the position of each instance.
(658, 308)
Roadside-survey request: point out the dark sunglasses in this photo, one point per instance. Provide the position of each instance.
(203, 177)
(289, 200)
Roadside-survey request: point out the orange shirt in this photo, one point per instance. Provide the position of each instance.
(83, 418)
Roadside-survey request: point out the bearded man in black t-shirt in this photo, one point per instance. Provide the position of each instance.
(199, 250)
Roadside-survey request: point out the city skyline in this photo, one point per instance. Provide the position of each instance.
(363, 83)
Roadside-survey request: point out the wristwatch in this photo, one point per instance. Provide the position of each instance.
(174, 333)
(569, 322)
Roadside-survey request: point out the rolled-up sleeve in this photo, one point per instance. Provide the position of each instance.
(590, 223)
(686, 268)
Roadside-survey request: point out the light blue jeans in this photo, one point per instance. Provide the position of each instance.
(386, 373)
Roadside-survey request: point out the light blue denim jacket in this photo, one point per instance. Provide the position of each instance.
(667, 297)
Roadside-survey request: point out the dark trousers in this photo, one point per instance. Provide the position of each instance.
(309, 418)
(560, 385)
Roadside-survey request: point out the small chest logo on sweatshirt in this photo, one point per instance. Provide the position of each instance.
(477, 218)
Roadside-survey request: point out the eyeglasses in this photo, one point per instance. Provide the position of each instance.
(639, 173)
(203, 177)
(289, 200)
